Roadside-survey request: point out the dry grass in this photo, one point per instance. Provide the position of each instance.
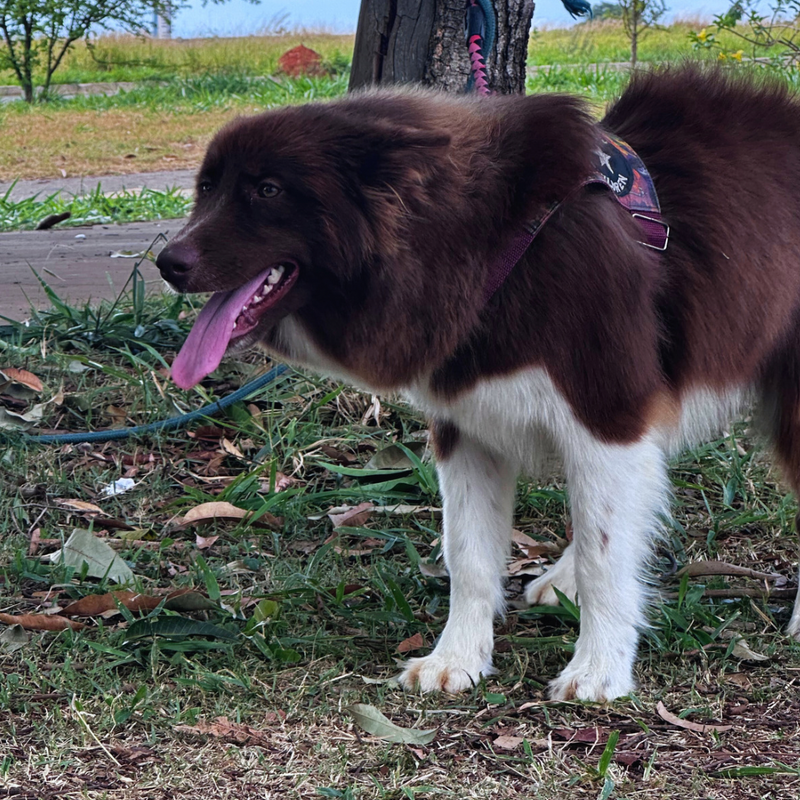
(116, 141)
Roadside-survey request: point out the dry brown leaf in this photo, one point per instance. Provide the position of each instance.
(80, 506)
(36, 538)
(96, 604)
(41, 622)
(525, 566)
(433, 570)
(116, 414)
(231, 449)
(697, 568)
(414, 642)
(353, 517)
(698, 727)
(208, 512)
(23, 377)
(522, 539)
(304, 546)
(508, 742)
(236, 732)
(204, 542)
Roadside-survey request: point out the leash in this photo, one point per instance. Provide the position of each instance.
(162, 425)
(480, 31)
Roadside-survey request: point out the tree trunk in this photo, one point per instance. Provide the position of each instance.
(422, 41)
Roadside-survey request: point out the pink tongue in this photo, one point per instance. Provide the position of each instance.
(208, 340)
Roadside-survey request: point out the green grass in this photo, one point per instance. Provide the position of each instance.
(94, 208)
(127, 58)
(311, 617)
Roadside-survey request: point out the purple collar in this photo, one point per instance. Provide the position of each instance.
(624, 173)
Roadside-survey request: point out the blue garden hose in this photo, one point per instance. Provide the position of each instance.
(164, 424)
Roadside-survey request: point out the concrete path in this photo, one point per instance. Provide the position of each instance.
(180, 178)
(76, 262)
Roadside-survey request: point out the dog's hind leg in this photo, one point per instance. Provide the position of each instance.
(617, 493)
(561, 576)
(478, 492)
(780, 418)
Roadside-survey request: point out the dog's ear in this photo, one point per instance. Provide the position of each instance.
(388, 154)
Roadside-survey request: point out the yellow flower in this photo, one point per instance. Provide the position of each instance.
(737, 55)
(703, 35)
(721, 57)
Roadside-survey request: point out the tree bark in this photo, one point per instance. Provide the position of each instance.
(422, 41)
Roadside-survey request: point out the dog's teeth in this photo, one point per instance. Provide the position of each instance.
(275, 275)
(235, 323)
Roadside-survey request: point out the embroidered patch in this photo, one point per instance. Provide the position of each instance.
(621, 169)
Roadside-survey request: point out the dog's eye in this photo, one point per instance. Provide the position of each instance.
(268, 190)
(205, 187)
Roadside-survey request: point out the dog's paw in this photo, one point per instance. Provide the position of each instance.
(443, 672)
(602, 686)
(539, 592)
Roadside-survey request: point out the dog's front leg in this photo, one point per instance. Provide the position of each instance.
(478, 493)
(617, 493)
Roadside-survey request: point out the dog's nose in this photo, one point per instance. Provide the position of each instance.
(176, 261)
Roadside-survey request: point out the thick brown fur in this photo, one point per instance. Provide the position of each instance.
(393, 205)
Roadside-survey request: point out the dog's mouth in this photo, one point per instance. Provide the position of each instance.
(228, 316)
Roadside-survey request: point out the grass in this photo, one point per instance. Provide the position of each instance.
(312, 616)
(128, 58)
(153, 127)
(94, 208)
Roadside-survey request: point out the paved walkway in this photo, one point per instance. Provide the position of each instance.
(76, 262)
(180, 178)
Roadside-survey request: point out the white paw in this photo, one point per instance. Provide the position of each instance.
(539, 592)
(596, 686)
(444, 672)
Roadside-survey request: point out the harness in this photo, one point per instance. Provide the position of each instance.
(618, 166)
(619, 169)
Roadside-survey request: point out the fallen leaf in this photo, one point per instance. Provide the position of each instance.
(83, 547)
(739, 679)
(19, 383)
(13, 638)
(208, 512)
(525, 566)
(79, 505)
(508, 742)
(414, 642)
(304, 546)
(116, 414)
(374, 722)
(204, 542)
(743, 651)
(235, 732)
(41, 622)
(95, 604)
(353, 517)
(337, 456)
(437, 570)
(231, 449)
(394, 457)
(698, 568)
(403, 510)
(698, 727)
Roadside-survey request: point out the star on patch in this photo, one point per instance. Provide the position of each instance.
(605, 159)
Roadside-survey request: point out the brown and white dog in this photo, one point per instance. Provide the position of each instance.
(355, 238)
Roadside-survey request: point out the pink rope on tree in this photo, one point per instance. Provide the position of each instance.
(478, 66)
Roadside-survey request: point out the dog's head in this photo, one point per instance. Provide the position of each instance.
(291, 208)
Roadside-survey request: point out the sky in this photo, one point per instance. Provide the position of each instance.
(240, 18)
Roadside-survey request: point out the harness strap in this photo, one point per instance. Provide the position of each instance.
(624, 173)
